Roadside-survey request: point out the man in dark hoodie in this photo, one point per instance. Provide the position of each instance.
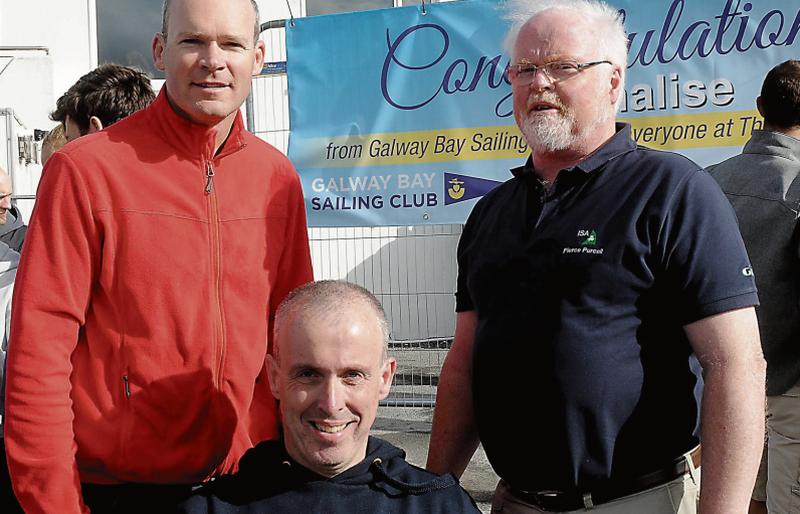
(12, 229)
(329, 371)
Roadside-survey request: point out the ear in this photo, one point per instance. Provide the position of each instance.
(759, 106)
(258, 58)
(95, 125)
(615, 82)
(272, 376)
(387, 374)
(159, 42)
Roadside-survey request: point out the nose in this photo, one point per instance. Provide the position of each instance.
(214, 57)
(331, 396)
(541, 80)
(5, 202)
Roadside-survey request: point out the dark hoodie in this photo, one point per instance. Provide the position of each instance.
(269, 481)
(12, 232)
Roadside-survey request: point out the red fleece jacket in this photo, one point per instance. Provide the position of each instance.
(142, 308)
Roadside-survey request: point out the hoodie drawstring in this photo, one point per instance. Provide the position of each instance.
(438, 483)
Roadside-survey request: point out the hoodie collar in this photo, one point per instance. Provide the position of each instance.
(13, 220)
(273, 454)
(192, 139)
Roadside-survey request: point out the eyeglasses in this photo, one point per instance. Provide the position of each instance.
(525, 73)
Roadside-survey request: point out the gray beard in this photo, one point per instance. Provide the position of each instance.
(554, 134)
(551, 134)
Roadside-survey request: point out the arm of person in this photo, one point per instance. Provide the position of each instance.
(454, 437)
(728, 347)
(56, 274)
(294, 270)
(294, 267)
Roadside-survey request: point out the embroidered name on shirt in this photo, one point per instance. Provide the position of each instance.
(588, 243)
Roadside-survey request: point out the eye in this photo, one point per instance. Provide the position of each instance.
(354, 377)
(190, 41)
(233, 45)
(562, 67)
(305, 375)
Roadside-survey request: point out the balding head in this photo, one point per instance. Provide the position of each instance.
(331, 300)
(329, 371)
(165, 13)
(5, 196)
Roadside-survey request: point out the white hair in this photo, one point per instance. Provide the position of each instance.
(606, 22)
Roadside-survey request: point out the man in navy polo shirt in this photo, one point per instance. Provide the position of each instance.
(585, 284)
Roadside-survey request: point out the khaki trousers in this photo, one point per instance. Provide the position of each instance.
(677, 497)
(778, 479)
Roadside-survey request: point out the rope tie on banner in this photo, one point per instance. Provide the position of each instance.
(291, 15)
(424, 11)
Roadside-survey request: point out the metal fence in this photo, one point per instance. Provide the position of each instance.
(411, 269)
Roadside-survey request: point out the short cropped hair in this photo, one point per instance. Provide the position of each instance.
(331, 298)
(607, 22)
(110, 92)
(780, 95)
(165, 19)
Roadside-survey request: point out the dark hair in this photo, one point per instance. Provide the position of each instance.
(165, 19)
(780, 95)
(110, 92)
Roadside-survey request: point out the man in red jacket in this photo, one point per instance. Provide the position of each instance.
(156, 256)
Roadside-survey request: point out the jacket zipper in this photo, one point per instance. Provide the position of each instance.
(216, 267)
(209, 178)
(127, 384)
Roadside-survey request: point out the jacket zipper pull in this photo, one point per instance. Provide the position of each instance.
(209, 177)
(127, 386)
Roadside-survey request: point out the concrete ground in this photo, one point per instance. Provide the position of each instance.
(410, 428)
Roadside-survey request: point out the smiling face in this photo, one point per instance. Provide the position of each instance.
(208, 57)
(566, 114)
(329, 376)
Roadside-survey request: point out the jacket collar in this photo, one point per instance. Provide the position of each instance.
(620, 143)
(773, 143)
(191, 139)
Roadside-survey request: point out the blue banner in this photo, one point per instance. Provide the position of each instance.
(400, 117)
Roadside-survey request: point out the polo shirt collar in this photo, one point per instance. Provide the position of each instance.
(620, 143)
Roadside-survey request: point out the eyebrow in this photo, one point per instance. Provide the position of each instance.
(357, 367)
(301, 367)
(245, 40)
(549, 59)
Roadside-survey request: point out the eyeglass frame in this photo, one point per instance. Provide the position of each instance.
(514, 69)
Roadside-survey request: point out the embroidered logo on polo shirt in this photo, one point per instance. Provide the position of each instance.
(591, 239)
(587, 241)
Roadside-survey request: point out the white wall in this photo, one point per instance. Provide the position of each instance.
(26, 86)
(65, 27)
(277, 9)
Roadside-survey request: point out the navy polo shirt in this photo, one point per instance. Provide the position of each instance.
(580, 369)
